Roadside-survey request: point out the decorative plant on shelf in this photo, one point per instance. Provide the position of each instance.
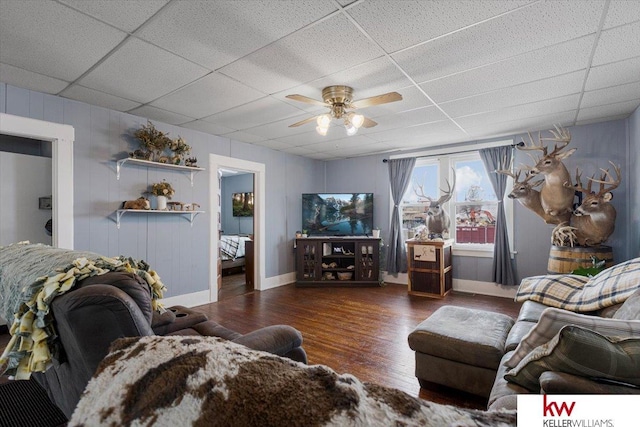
(162, 189)
(152, 140)
(180, 149)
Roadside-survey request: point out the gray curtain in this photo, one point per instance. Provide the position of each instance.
(399, 176)
(493, 159)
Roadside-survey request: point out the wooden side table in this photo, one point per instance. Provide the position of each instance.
(430, 270)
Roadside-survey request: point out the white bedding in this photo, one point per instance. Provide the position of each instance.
(232, 246)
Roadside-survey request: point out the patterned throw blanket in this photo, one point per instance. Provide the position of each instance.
(582, 294)
(206, 381)
(31, 276)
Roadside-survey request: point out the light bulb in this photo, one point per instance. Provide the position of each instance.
(322, 130)
(351, 130)
(357, 120)
(324, 120)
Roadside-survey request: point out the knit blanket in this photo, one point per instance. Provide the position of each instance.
(207, 381)
(31, 276)
(582, 294)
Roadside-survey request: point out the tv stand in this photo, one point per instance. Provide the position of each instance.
(337, 261)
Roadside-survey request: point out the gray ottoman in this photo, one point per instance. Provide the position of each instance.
(460, 348)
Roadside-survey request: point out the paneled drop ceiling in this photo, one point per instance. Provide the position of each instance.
(467, 69)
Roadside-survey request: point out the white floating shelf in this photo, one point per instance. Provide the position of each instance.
(190, 170)
(191, 214)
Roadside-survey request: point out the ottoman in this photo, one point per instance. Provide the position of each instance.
(460, 348)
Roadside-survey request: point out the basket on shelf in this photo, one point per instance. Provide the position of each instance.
(345, 275)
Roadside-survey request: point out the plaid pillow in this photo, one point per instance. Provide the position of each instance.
(553, 319)
(582, 352)
(630, 310)
(229, 246)
(576, 293)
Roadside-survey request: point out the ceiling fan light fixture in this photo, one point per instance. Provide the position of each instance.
(351, 130)
(322, 130)
(324, 120)
(356, 120)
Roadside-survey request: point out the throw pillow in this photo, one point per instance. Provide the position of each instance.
(579, 351)
(630, 310)
(553, 319)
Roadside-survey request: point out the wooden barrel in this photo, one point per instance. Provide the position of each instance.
(565, 259)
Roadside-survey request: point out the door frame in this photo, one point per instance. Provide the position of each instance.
(217, 162)
(61, 137)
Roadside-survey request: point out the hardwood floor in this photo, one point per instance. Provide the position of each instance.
(233, 285)
(361, 331)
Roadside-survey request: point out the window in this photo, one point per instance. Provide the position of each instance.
(473, 208)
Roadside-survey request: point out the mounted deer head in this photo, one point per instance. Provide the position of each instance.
(524, 191)
(595, 218)
(438, 221)
(556, 198)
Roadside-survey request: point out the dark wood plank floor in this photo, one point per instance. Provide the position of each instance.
(361, 331)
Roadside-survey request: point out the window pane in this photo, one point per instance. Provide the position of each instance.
(476, 203)
(424, 182)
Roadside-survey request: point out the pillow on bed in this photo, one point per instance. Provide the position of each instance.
(579, 351)
(229, 246)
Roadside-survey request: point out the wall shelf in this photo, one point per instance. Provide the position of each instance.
(190, 170)
(190, 214)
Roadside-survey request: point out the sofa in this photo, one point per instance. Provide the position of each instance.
(101, 309)
(573, 335)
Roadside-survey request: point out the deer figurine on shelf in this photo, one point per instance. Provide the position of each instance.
(524, 191)
(594, 220)
(437, 218)
(556, 198)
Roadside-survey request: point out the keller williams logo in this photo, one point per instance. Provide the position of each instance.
(551, 409)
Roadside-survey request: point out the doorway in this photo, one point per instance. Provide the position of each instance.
(254, 261)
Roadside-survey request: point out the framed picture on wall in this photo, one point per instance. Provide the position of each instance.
(242, 204)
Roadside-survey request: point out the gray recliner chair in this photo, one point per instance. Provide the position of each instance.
(103, 308)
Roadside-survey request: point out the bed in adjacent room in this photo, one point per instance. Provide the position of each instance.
(232, 253)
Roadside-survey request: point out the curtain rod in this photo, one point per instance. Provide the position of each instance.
(519, 144)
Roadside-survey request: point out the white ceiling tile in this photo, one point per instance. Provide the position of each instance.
(217, 35)
(609, 110)
(614, 74)
(406, 119)
(602, 119)
(245, 137)
(412, 98)
(254, 113)
(532, 66)
(522, 125)
(407, 23)
(141, 72)
(516, 95)
(28, 80)
(124, 14)
(207, 127)
(60, 42)
(94, 97)
(273, 144)
(521, 112)
(312, 137)
(611, 95)
(425, 131)
(622, 12)
(313, 52)
(298, 151)
(618, 44)
(161, 115)
(208, 95)
(547, 23)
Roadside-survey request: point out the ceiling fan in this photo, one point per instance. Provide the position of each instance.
(339, 100)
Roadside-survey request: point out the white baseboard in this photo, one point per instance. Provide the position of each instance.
(466, 286)
(277, 281)
(187, 300)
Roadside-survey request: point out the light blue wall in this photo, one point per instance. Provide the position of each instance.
(634, 184)
(235, 184)
(596, 144)
(178, 251)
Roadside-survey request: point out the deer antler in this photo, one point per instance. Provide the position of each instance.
(561, 135)
(450, 189)
(533, 145)
(578, 186)
(614, 183)
(421, 194)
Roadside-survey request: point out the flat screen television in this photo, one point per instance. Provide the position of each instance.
(337, 214)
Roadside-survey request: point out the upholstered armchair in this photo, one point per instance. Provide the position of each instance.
(103, 308)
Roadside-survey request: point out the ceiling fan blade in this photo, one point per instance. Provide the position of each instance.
(377, 100)
(302, 122)
(302, 98)
(368, 123)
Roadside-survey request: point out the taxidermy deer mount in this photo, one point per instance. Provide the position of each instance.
(591, 223)
(437, 219)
